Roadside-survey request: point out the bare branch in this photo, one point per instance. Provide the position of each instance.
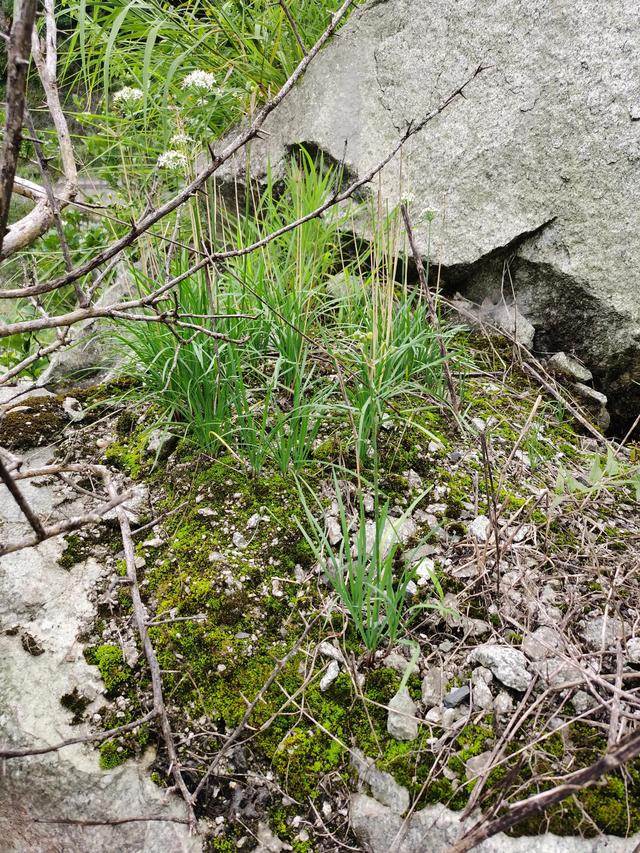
(18, 64)
(43, 216)
(92, 738)
(624, 752)
(149, 219)
(19, 498)
(141, 620)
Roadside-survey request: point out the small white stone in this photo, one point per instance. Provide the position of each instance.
(480, 528)
(502, 704)
(333, 671)
(239, 541)
(334, 530)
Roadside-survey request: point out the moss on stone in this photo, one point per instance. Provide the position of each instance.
(34, 422)
(76, 549)
(114, 671)
(110, 755)
(77, 704)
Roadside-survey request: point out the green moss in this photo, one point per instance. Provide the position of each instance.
(129, 454)
(36, 421)
(113, 669)
(126, 423)
(302, 757)
(110, 757)
(76, 549)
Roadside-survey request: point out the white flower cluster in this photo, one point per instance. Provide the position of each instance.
(173, 160)
(200, 81)
(429, 213)
(128, 97)
(181, 139)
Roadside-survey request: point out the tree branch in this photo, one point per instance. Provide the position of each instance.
(18, 66)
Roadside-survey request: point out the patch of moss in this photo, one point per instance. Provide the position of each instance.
(113, 669)
(76, 549)
(110, 756)
(34, 422)
(126, 423)
(77, 704)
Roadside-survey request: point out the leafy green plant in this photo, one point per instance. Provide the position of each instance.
(256, 396)
(606, 473)
(364, 575)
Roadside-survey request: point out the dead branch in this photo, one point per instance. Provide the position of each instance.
(18, 65)
(20, 499)
(42, 217)
(91, 738)
(218, 257)
(245, 136)
(615, 758)
(140, 617)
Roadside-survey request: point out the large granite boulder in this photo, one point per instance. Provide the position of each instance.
(538, 168)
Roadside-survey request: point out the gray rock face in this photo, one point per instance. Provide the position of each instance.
(436, 828)
(540, 163)
(507, 664)
(49, 606)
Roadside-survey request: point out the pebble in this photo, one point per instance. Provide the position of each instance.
(239, 541)
(480, 528)
(457, 696)
(333, 671)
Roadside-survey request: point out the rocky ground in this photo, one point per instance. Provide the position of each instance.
(525, 672)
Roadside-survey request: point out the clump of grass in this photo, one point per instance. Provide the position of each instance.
(363, 571)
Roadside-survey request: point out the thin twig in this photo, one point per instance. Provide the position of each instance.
(17, 68)
(140, 617)
(23, 753)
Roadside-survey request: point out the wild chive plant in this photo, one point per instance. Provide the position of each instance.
(363, 571)
(260, 397)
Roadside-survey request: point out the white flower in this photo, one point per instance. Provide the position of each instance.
(200, 81)
(128, 97)
(181, 139)
(173, 160)
(429, 213)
